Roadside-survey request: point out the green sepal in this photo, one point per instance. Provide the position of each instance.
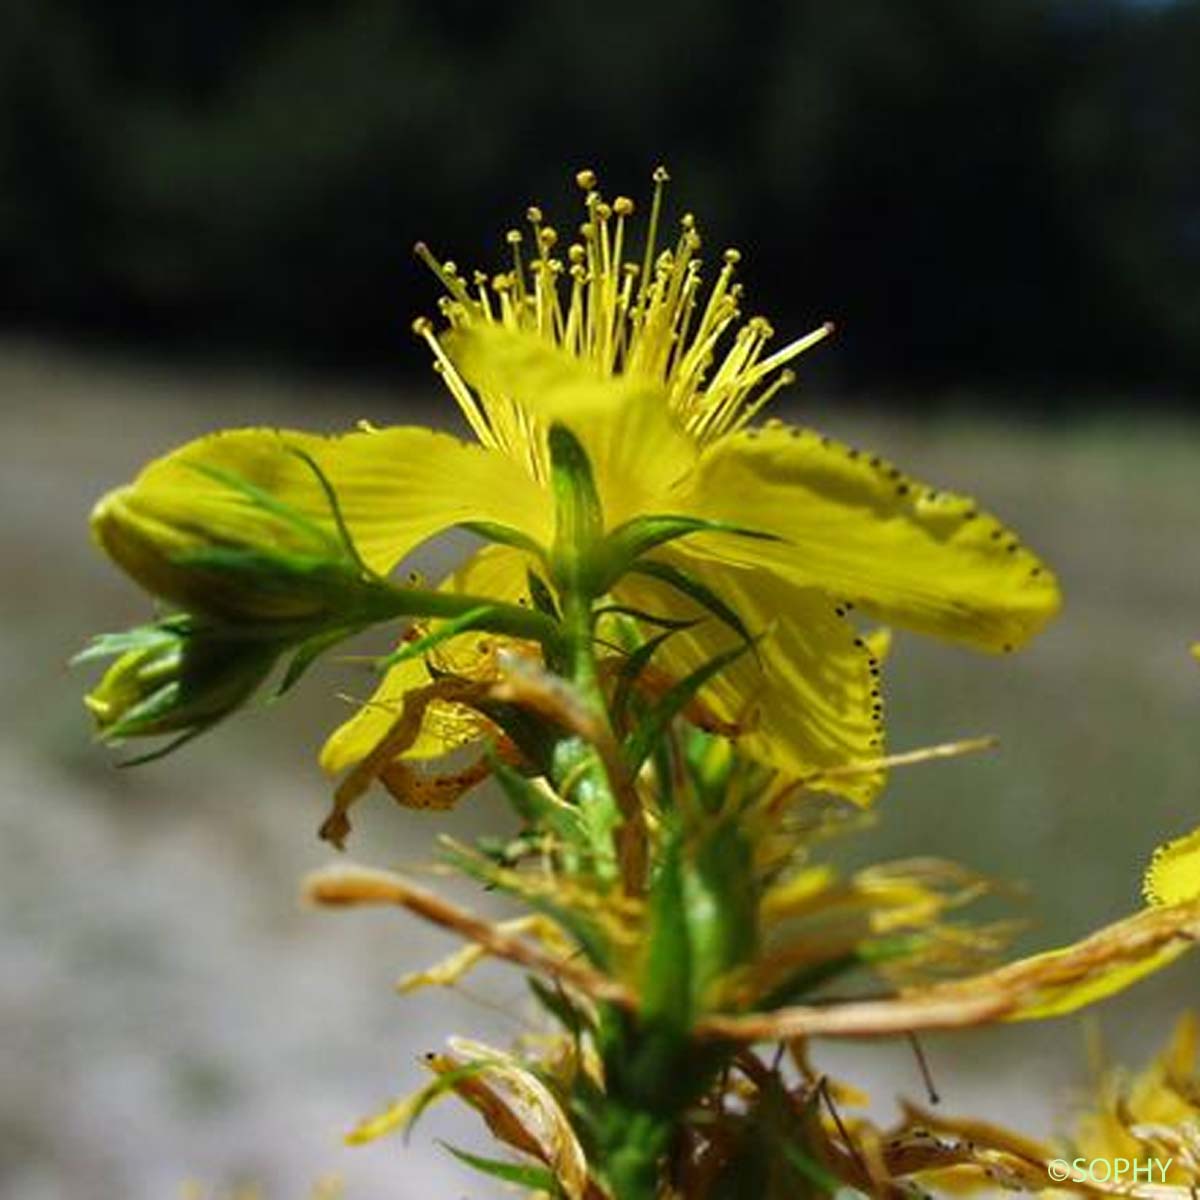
(335, 510)
(537, 1179)
(579, 516)
(626, 544)
(269, 503)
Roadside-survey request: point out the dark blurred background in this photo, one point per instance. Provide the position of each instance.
(984, 194)
(206, 214)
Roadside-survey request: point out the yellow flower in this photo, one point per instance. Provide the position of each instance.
(659, 381)
(1153, 1116)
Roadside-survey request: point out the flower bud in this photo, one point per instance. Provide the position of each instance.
(287, 577)
(174, 677)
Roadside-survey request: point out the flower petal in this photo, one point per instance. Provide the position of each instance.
(808, 700)
(395, 487)
(636, 447)
(497, 572)
(856, 526)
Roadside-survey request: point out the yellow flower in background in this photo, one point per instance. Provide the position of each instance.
(658, 380)
(1154, 1115)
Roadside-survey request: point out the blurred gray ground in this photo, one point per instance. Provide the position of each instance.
(170, 1011)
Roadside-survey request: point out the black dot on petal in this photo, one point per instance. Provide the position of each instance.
(902, 490)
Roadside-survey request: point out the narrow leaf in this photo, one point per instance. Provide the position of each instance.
(443, 633)
(628, 542)
(538, 1179)
(504, 535)
(652, 727)
(696, 591)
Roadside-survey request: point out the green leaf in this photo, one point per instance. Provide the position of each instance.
(423, 645)
(626, 610)
(631, 668)
(306, 654)
(628, 542)
(796, 987)
(538, 1179)
(666, 989)
(556, 1002)
(591, 939)
(653, 725)
(541, 595)
(696, 591)
(535, 807)
(721, 898)
(504, 535)
(810, 1169)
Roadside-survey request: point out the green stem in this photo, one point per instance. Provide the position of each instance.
(512, 620)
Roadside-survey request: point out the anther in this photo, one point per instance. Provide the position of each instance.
(623, 206)
(586, 179)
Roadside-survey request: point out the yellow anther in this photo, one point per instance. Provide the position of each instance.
(513, 237)
(533, 214)
(732, 257)
(450, 268)
(422, 326)
(660, 175)
(586, 179)
(548, 236)
(603, 211)
(623, 206)
(576, 253)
